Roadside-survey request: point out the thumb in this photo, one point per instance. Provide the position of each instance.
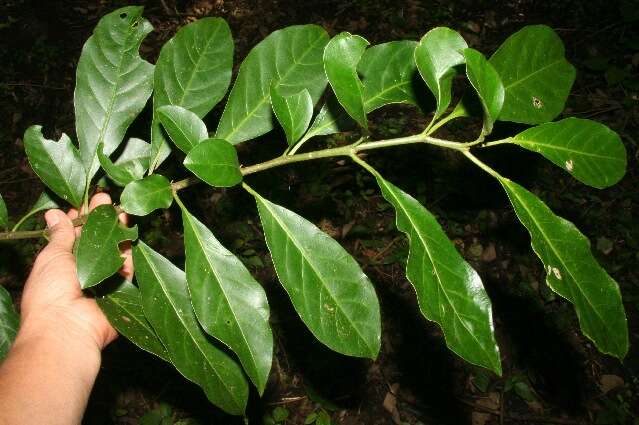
(61, 232)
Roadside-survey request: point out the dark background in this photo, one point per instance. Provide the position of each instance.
(552, 374)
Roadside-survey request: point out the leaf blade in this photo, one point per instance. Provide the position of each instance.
(293, 112)
(141, 197)
(130, 165)
(9, 322)
(487, 83)
(183, 127)
(215, 162)
(229, 304)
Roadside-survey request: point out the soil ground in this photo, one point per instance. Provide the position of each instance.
(552, 373)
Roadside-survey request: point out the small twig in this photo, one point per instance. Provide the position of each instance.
(287, 400)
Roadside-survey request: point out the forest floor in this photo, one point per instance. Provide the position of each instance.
(552, 373)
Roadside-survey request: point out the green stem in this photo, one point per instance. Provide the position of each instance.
(497, 142)
(23, 219)
(483, 165)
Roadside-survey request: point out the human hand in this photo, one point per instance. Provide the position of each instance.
(52, 300)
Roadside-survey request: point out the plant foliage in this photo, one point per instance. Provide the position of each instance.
(184, 317)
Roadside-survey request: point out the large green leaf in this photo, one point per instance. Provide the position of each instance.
(387, 72)
(227, 301)
(193, 71)
(167, 306)
(290, 58)
(57, 164)
(573, 272)
(141, 197)
(123, 307)
(294, 112)
(130, 165)
(437, 54)
(97, 253)
(328, 289)
(486, 82)
(536, 75)
(449, 290)
(215, 161)
(112, 83)
(183, 127)
(341, 56)
(4, 214)
(9, 322)
(590, 151)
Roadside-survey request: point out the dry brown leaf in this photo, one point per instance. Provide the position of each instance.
(489, 254)
(390, 403)
(480, 418)
(610, 382)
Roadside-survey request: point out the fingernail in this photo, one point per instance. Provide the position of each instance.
(52, 219)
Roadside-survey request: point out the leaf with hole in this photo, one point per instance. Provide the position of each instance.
(329, 291)
(58, 164)
(229, 304)
(141, 197)
(121, 304)
(536, 75)
(193, 71)
(112, 83)
(449, 290)
(341, 56)
(436, 56)
(131, 165)
(293, 112)
(590, 151)
(183, 127)
(9, 322)
(97, 252)
(573, 272)
(291, 59)
(167, 306)
(487, 83)
(215, 162)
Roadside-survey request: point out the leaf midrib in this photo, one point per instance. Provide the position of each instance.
(532, 144)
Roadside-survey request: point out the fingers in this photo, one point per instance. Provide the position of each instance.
(99, 199)
(61, 232)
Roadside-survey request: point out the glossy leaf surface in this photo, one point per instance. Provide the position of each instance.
(449, 290)
(193, 71)
(387, 72)
(487, 83)
(9, 322)
(123, 307)
(130, 165)
(228, 302)
(573, 272)
(590, 151)
(112, 83)
(215, 162)
(290, 58)
(167, 306)
(341, 56)
(183, 127)
(141, 197)
(536, 75)
(293, 112)
(438, 52)
(328, 289)
(4, 214)
(97, 253)
(57, 164)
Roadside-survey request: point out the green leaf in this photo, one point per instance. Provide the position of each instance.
(341, 56)
(215, 161)
(387, 72)
(141, 197)
(449, 290)
(487, 83)
(183, 127)
(537, 77)
(44, 202)
(97, 253)
(123, 308)
(590, 151)
(328, 289)
(193, 71)
(130, 165)
(4, 214)
(572, 271)
(437, 54)
(57, 164)
(290, 58)
(112, 83)
(167, 306)
(9, 322)
(229, 304)
(294, 112)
